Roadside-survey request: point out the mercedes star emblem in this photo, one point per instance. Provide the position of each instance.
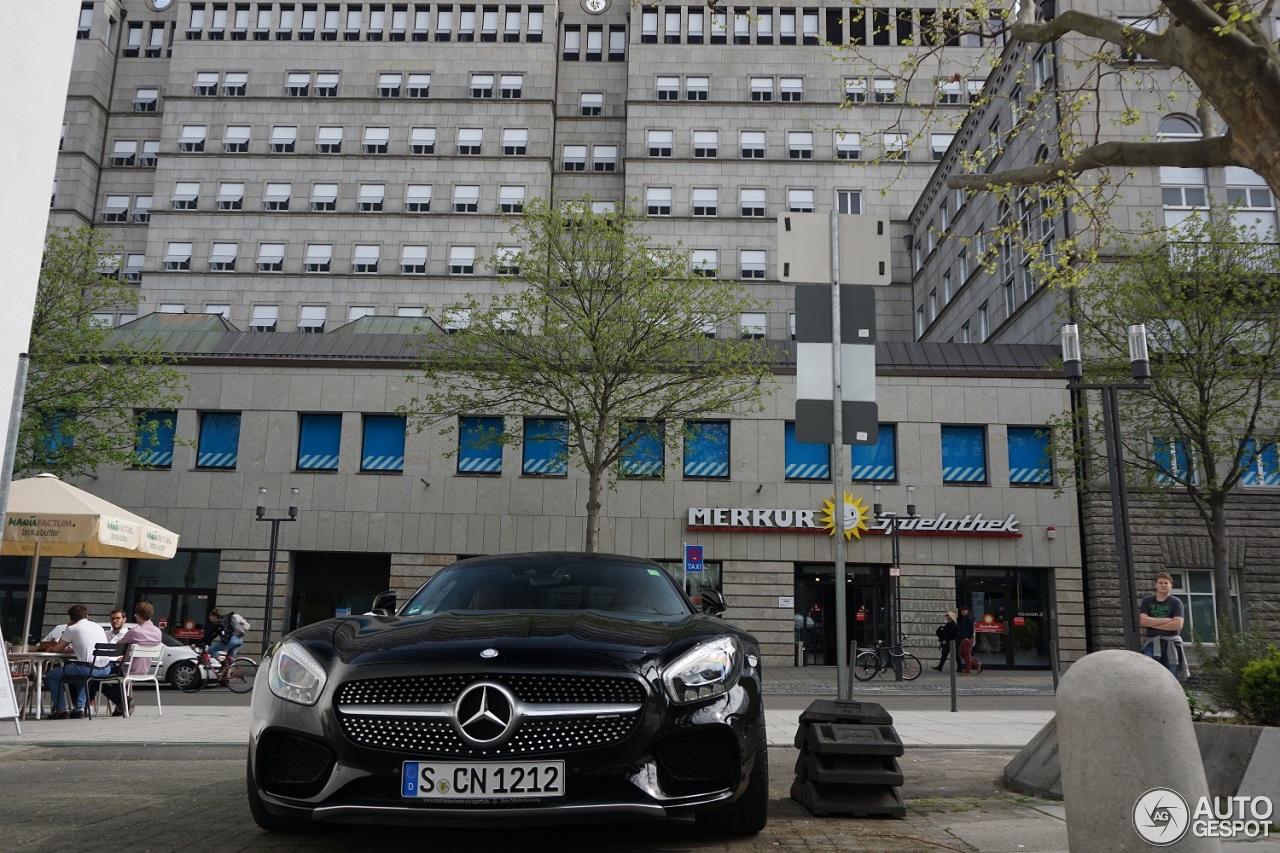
(485, 714)
(489, 653)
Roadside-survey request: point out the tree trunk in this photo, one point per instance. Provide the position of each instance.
(1221, 566)
(595, 486)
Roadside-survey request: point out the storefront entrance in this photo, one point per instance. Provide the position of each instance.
(867, 600)
(1011, 607)
(181, 590)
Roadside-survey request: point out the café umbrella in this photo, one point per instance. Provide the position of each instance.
(49, 518)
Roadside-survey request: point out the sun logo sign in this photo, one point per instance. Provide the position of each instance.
(855, 516)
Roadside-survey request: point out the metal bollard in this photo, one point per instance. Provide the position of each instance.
(1124, 730)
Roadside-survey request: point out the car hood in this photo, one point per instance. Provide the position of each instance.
(520, 638)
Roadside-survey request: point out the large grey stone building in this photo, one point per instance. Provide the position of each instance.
(296, 185)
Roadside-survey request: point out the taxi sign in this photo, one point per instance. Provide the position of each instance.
(693, 558)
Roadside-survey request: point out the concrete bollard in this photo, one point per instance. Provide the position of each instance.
(1124, 729)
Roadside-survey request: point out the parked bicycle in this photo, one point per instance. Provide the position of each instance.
(237, 675)
(870, 662)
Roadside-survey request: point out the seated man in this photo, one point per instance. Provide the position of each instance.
(80, 637)
(145, 633)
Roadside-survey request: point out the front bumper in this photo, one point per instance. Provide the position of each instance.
(666, 761)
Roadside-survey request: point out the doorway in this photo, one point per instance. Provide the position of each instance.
(182, 590)
(328, 584)
(1011, 607)
(866, 600)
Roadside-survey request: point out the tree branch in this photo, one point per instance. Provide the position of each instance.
(1200, 153)
(1154, 45)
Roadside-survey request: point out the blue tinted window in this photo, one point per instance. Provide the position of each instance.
(706, 449)
(644, 456)
(219, 440)
(1172, 461)
(58, 433)
(154, 446)
(319, 438)
(1260, 469)
(546, 446)
(805, 461)
(964, 454)
(479, 445)
(383, 443)
(1029, 462)
(876, 462)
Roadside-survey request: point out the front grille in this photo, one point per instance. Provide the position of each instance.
(293, 766)
(536, 736)
(698, 762)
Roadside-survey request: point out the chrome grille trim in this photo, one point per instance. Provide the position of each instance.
(523, 710)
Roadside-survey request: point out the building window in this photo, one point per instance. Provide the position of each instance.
(311, 318)
(984, 323)
(949, 91)
(964, 454)
(419, 86)
(222, 257)
(270, 257)
(133, 269)
(546, 447)
(466, 198)
(297, 84)
(371, 198)
(422, 140)
(752, 144)
(1029, 461)
(800, 144)
(800, 201)
(511, 86)
(413, 260)
(177, 256)
(657, 201)
(219, 442)
(751, 263)
(146, 100)
(696, 88)
(1195, 587)
(365, 258)
(235, 139)
(660, 143)
(154, 445)
(383, 446)
(572, 43)
(206, 85)
(604, 158)
(885, 90)
(115, 208)
(376, 140)
(1172, 457)
(329, 140)
(186, 195)
(470, 140)
(848, 146)
(705, 201)
(319, 257)
(791, 89)
(319, 440)
(511, 199)
(235, 84)
(592, 103)
(326, 85)
(417, 198)
(277, 196)
(751, 325)
(482, 85)
(761, 88)
(480, 445)
(389, 85)
(939, 143)
(124, 152)
(849, 202)
(667, 88)
(876, 463)
(802, 460)
(515, 141)
(706, 450)
(855, 90)
(324, 197)
(705, 262)
(264, 318)
(643, 451)
(895, 146)
(230, 196)
(574, 158)
(284, 140)
(752, 201)
(706, 143)
(462, 260)
(1260, 469)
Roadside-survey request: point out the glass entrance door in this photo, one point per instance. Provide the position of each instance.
(1010, 607)
(867, 617)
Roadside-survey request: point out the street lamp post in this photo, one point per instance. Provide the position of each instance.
(895, 521)
(271, 558)
(1140, 366)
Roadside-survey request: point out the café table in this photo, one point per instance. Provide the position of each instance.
(38, 663)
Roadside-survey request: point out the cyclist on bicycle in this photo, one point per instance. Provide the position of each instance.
(224, 633)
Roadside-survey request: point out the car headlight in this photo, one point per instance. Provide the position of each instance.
(295, 675)
(707, 670)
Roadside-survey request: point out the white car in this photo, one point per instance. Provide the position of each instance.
(177, 665)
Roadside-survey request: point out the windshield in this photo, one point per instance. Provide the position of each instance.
(551, 582)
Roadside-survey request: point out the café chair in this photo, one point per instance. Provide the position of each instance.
(101, 650)
(126, 678)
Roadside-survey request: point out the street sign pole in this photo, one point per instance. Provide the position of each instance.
(843, 688)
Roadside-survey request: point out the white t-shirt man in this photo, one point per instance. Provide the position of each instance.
(83, 636)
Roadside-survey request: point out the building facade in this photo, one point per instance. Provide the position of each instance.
(295, 186)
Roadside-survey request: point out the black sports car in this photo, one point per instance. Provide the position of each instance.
(516, 689)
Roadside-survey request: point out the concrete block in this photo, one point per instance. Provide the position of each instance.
(848, 800)
(849, 769)
(1036, 770)
(841, 711)
(837, 739)
(1226, 751)
(1262, 778)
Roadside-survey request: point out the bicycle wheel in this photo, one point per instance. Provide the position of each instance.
(866, 665)
(911, 668)
(241, 674)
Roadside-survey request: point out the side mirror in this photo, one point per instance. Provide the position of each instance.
(384, 604)
(713, 602)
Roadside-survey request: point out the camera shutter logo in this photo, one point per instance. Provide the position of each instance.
(1161, 816)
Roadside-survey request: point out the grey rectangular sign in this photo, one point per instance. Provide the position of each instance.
(860, 425)
(857, 313)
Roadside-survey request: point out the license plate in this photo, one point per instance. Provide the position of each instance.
(478, 781)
